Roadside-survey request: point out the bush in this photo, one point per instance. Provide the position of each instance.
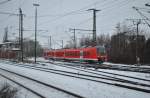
(7, 91)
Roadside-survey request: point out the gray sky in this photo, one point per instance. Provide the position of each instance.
(57, 16)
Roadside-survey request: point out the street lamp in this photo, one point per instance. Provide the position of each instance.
(35, 27)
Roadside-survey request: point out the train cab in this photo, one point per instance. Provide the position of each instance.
(101, 53)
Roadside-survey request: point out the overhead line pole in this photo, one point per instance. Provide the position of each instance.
(19, 39)
(35, 30)
(62, 44)
(74, 34)
(50, 39)
(21, 33)
(94, 25)
(74, 37)
(137, 22)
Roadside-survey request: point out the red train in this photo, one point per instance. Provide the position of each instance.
(7, 54)
(90, 54)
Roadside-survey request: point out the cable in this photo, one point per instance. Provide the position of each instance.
(73, 12)
(114, 5)
(135, 8)
(118, 8)
(84, 21)
(3, 2)
(23, 2)
(5, 19)
(119, 5)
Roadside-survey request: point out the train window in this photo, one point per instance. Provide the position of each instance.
(77, 53)
(86, 53)
(66, 53)
(81, 53)
(101, 50)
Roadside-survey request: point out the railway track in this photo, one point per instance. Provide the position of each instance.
(93, 70)
(105, 79)
(97, 71)
(121, 68)
(68, 93)
(34, 92)
(127, 68)
(81, 68)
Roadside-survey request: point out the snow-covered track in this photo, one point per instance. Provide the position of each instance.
(127, 68)
(39, 82)
(116, 82)
(97, 76)
(112, 67)
(97, 71)
(34, 92)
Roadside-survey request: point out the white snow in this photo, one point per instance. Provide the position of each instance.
(114, 64)
(88, 89)
(22, 93)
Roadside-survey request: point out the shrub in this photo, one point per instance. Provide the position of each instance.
(7, 91)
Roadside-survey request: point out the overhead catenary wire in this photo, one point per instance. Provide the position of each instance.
(22, 3)
(73, 12)
(142, 15)
(121, 5)
(3, 2)
(124, 2)
(107, 4)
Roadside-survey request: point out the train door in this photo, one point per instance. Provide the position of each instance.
(81, 55)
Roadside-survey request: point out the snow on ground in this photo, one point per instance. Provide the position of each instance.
(88, 89)
(38, 59)
(127, 73)
(108, 63)
(134, 74)
(115, 64)
(22, 93)
(41, 89)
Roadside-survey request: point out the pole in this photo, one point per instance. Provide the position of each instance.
(94, 26)
(62, 44)
(74, 37)
(21, 34)
(19, 39)
(137, 22)
(50, 39)
(35, 30)
(137, 34)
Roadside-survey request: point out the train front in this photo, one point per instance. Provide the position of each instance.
(101, 54)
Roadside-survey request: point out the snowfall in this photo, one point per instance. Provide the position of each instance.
(85, 88)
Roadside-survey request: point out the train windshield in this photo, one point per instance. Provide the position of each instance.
(101, 50)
